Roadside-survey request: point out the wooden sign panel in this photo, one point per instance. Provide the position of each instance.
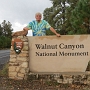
(51, 54)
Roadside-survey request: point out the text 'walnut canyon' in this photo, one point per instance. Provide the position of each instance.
(60, 50)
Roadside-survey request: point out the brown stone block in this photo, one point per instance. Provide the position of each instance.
(13, 74)
(22, 70)
(11, 48)
(13, 60)
(12, 68)
(21, 75)
(17, 69)
(13, 56)
(24, 64)
(25, 39)
(22, 59)
(12, 52)
(25, 52)
(20, 37)
(25, 43)
(25, 48)
(23, 55)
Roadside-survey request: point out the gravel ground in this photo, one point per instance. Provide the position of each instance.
(32, 83)
(37, 84)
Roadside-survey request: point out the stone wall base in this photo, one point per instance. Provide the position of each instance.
(18, 63)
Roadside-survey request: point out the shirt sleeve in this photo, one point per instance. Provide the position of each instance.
(29, 26)
(47, 25)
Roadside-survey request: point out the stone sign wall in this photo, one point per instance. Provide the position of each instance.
(49, 54)
(18, 63)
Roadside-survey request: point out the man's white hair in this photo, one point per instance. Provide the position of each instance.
(38, 13)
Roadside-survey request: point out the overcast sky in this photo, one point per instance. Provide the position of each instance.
(21, 12)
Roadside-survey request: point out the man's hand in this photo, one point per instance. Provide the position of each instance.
(54, 31)
(58, 35)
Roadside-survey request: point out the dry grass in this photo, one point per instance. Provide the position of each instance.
(4, 70)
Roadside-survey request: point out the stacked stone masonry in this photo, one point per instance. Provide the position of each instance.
(73, 79)
(19, 67)
(18, 63)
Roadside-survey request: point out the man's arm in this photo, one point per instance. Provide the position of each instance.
(25, 29)
(54, 31)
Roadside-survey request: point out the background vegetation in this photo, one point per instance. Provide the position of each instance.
(5, 34)
(68, 17)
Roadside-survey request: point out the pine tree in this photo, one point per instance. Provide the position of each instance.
(6, 29)
(1, 30)
(59, 15)
(5, 34)
(80, 18)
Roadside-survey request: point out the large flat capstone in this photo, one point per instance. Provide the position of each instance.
(51, 54)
